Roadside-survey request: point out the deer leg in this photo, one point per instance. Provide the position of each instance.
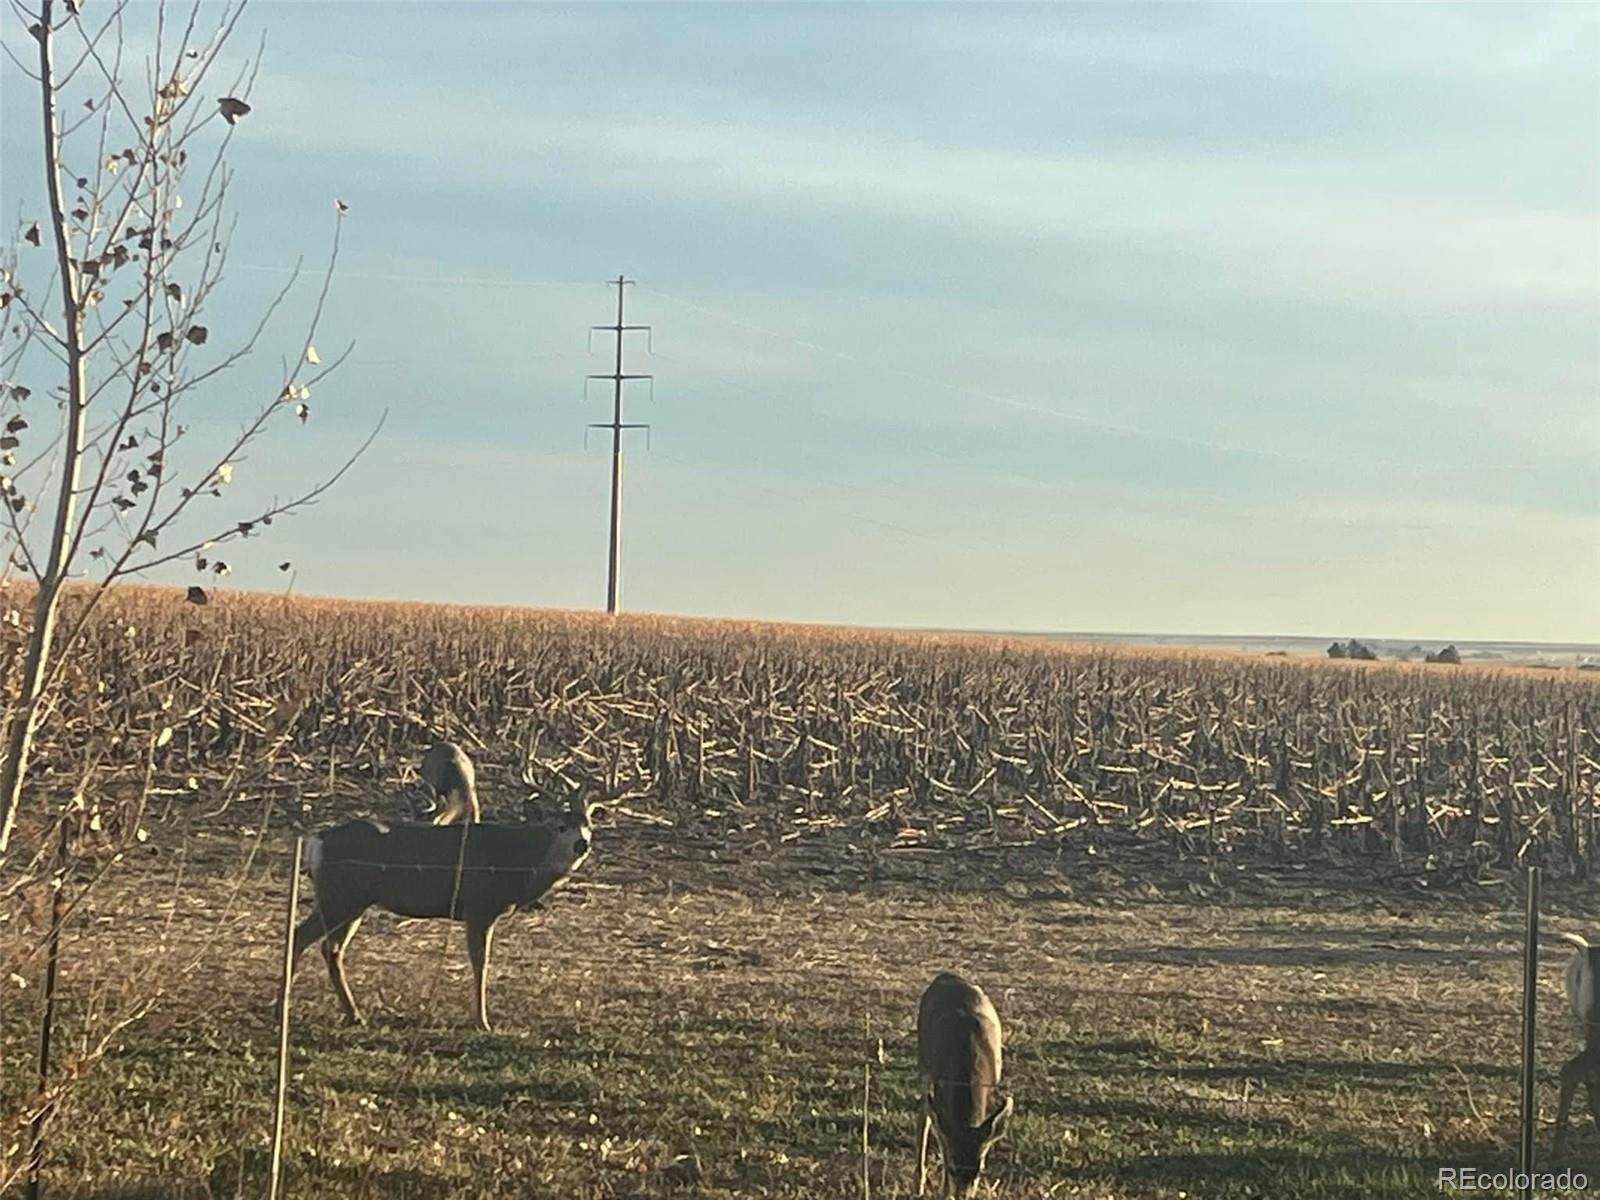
(1571, 1075)
(922, 1154)
(479, 935)
(312, 929)
(305, 933)
(1591, 1087)
(308, 932)
(333, 947)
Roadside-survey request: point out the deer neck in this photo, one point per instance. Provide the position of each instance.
(964, 1104)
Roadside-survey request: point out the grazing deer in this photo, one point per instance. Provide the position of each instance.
(448, 771)
(958, 1049)
(1583, 994)
(473, 873)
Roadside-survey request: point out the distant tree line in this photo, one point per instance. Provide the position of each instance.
(1360, 650)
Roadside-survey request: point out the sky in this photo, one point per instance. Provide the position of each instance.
(1258, 318)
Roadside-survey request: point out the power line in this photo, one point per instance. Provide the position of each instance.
(419, 280)
(1103, 426)
(617, 425)
(1013, 402)
(1011, 476)
(704, 471)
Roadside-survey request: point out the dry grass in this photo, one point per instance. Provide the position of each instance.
(1210, 987)
(679, 1036)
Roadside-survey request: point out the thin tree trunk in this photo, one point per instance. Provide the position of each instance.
(25, 717)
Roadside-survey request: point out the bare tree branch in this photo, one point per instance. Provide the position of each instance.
(130, 242)
(266, 518)
(25, 714)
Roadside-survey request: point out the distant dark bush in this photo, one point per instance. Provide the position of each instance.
(1360, 650)
(1336, 651)
(1448, 655)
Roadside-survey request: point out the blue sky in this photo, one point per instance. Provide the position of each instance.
(1253, 318)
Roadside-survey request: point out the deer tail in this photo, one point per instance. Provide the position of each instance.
(311, 857)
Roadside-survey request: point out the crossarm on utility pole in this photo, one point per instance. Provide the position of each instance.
(618, 377)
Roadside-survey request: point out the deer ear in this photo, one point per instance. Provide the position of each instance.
(995, 1126)
(579, 805)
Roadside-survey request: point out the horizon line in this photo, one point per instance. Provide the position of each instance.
(1253, 637)
(978, 631)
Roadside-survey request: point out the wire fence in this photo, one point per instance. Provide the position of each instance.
(251, 894)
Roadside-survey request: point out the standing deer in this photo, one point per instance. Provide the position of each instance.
(958, 1049)
(1583, 994)
(473, 873)
(448, 771)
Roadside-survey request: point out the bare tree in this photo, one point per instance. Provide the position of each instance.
(135, 237)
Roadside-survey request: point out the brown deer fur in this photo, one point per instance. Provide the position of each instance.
(1583, 994)
(958, 1050)
(448, 771)
(473, 873)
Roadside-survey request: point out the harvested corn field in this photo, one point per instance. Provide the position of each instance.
(1436, 773)
(1249, 922)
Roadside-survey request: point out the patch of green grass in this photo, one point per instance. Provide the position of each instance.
(695, 1045)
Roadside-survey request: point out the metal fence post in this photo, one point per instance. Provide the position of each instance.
(283, 1021)
(47, 1018)
(1530, 984)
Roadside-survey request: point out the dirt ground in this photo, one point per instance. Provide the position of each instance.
(677, 1024)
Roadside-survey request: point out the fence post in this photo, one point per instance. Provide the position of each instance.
(283, 1021)
(866, 1134)
(47, 1019)
(1530, 983)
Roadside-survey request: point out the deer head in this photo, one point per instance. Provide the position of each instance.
(966, 1147)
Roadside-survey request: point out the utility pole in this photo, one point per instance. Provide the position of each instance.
(616, 425)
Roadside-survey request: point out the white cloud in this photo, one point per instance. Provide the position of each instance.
(1256, 223)
(1226, 286)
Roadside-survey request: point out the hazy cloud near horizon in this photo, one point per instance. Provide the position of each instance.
(1179, 318)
